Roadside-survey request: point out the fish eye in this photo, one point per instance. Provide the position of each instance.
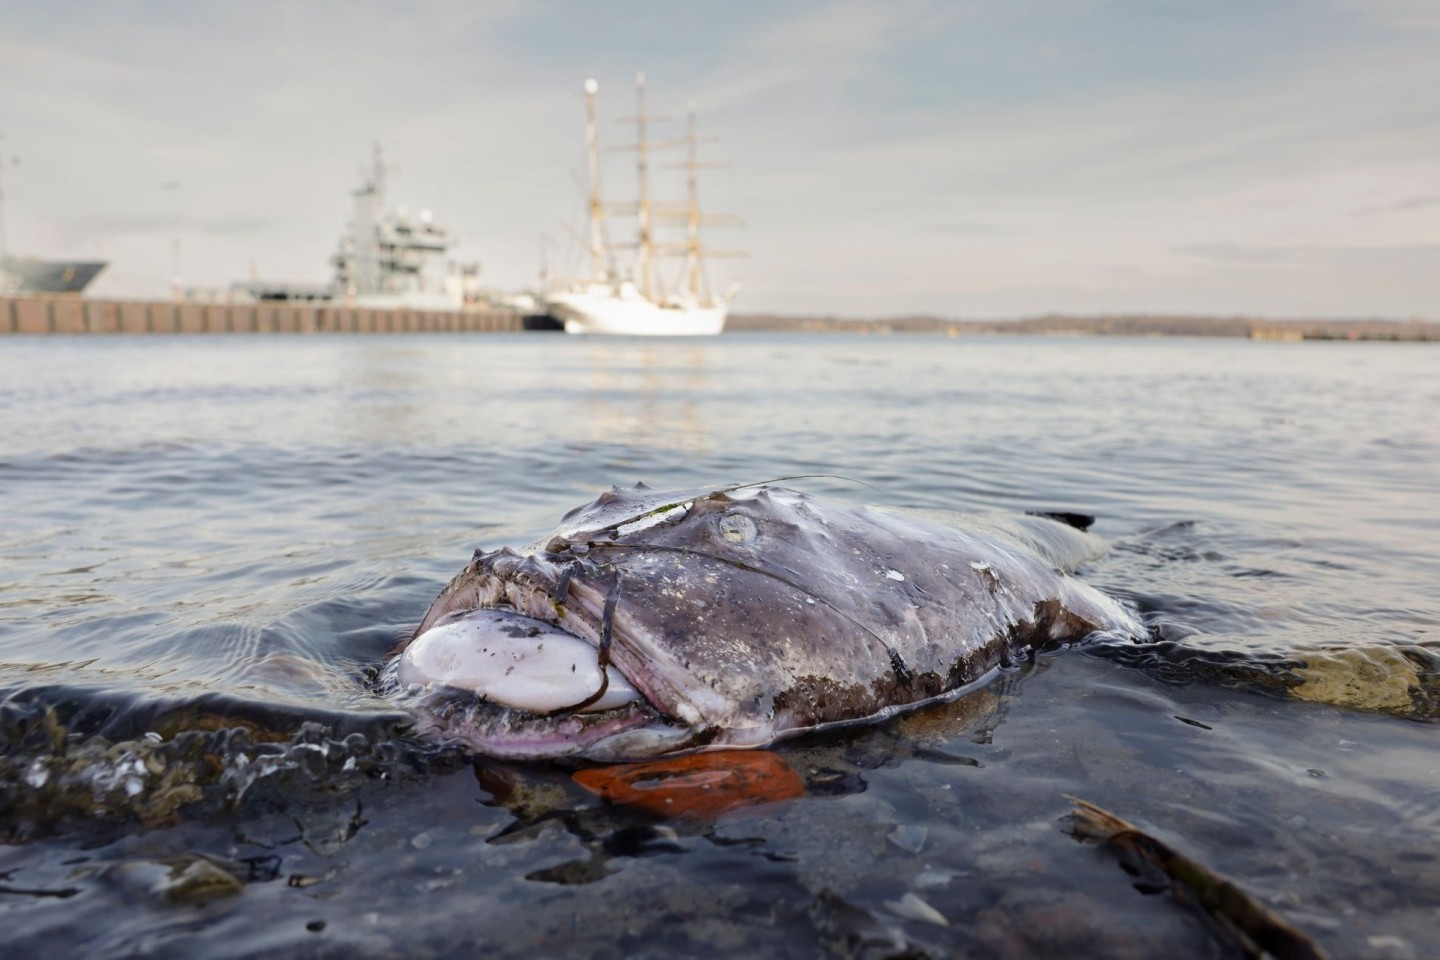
(737, 528)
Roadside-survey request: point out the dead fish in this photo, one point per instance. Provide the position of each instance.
(652, 623)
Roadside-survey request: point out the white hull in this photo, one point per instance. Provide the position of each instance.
(607, 313)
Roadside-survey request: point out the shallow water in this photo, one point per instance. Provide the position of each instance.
(209, 544)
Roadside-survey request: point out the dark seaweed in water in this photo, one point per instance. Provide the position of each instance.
(209, 544)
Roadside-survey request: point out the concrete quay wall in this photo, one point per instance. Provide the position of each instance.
(61, 315)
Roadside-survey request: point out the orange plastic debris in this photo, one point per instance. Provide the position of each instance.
(698, 786)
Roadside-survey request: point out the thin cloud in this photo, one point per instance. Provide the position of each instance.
(1400, 14)
(1417, 203)
(102, 225)
(1397, 255)
(956, 228)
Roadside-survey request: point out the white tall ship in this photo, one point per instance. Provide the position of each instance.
(636, 301)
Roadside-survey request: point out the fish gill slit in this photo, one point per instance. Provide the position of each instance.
(602, 657)
(562, 588)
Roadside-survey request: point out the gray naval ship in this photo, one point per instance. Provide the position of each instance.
(24, 276)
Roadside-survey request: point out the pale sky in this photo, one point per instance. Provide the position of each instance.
(976, 160)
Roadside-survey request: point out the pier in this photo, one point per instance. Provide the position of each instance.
(70, 315)
(41, 315)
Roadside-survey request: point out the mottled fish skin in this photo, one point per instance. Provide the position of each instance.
(752, 613)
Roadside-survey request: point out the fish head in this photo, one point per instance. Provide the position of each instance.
(730, 614)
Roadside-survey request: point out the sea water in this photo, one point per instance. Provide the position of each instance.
(210, 544)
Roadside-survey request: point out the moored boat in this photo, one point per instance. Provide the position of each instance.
(622, 309)
(631, 300)
(25, 276)
(391, 259)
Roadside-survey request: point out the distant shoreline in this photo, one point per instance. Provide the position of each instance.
(1107, 325)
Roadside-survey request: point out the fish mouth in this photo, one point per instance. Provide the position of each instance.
(633, 731)
(559, 595)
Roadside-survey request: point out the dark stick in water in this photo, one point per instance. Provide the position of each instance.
(1258, 930)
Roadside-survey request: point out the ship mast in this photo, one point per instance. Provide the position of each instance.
(692, 207)
(369, 214)
(696, 282)
(597, 208)
(644, 262)
(379, 175)
(647, 211)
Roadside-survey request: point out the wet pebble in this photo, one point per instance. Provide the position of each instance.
(908, 837)
(188, 879)
(913, 907)
(1390, 948)
(936, 879)
(199, 881)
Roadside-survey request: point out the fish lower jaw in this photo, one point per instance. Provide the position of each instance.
(494, 730)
